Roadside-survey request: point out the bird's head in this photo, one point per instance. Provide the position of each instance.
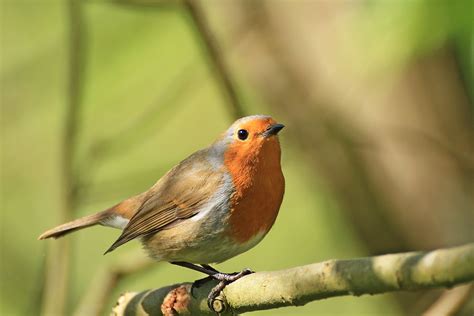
(252, 139)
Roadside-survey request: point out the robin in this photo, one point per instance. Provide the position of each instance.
(214, 205)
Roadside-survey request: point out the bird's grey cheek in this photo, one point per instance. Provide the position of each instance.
(230, 133)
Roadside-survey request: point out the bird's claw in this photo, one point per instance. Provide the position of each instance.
(211, 298)
(231, 277)
(224, 279)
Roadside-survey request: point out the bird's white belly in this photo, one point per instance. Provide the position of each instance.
(201, 242)
(219, 250)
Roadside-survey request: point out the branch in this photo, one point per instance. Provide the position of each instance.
(222, 71)
(301, 285)
(55, 288)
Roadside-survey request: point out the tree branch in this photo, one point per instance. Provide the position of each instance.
(222, 71)
(57, 268)
(300, 285)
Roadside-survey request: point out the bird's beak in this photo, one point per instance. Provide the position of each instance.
(273, 130)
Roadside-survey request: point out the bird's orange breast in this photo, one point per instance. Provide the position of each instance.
(259, 187)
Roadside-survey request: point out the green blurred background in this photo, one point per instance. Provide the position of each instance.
(100, 98)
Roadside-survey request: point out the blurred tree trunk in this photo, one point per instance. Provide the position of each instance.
(394, 145)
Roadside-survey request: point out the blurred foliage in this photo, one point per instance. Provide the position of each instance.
(415, 26)
(148, 99)
(393, 33)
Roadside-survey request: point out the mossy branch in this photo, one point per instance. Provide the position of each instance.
(300, 285)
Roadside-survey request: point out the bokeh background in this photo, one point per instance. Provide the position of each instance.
(100, 98)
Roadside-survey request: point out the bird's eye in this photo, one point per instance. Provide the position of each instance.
(242, 134)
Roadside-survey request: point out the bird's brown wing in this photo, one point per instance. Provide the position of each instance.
(180, 194)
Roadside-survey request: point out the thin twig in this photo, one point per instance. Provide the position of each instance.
(216, 56)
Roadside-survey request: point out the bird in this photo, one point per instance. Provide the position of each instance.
(217, 203)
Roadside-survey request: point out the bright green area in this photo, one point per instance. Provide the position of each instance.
(149, 94)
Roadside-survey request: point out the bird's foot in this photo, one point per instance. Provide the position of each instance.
(224, 279)
(231, 277)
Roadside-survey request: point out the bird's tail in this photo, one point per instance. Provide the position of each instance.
(80, 223)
